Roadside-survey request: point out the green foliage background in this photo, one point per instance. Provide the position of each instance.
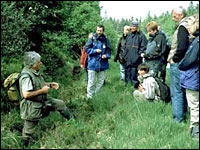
(58, 30)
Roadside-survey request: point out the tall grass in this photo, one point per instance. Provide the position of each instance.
(112, 119)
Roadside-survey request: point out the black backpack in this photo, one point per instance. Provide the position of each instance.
(164, 90)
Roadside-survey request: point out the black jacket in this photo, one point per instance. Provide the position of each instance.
(183, 43)
(135, 45)
(120, 50)
(156, 47)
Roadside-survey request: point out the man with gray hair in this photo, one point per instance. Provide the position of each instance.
(180, 43)
(35, 103)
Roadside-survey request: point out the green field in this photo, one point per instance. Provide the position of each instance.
(112, 120)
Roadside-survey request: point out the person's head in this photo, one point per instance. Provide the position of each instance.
(100, 30)
(32, 60)
(178, 14)
(143, 69)
(90, 35)
(193, 24)
(134, 26)
(152, 28)
(126, 29)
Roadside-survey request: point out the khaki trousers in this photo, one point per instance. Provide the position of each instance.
(193, 103)
(30, 125)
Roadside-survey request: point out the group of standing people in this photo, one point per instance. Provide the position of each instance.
(185, 84)
(145, 60)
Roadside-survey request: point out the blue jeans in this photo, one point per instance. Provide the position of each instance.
(122, 72)
(178, 95)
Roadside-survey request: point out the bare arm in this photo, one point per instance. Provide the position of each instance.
(30, 94)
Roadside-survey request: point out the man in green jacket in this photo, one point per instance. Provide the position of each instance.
(35, 103)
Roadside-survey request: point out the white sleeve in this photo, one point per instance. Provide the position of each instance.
(27, 84)
(149, 90)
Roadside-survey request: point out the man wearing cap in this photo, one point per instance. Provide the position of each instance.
(136, 43)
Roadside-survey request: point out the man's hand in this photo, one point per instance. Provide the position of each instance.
(171, 61)
(103, 57)
(142, 55)
(99, 51)
(45, 89)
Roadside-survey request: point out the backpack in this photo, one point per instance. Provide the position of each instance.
(11, 83)
(164, 90)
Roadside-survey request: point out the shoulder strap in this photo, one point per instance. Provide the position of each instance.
(19, 94)
(28, 75)
(9, 85)
(19, 77)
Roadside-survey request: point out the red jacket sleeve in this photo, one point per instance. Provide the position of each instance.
(83, 57)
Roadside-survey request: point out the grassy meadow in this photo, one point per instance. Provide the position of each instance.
(111, 120)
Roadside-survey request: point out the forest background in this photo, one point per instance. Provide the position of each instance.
(58, 30)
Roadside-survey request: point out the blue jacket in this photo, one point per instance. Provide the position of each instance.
(190, 78)
(189, 68)
(95, 62)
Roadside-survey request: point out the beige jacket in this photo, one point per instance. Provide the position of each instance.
(183, 22)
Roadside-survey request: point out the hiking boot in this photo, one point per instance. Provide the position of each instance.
(195, 132)
(67, 114)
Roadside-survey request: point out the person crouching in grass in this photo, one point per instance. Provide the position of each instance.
(148, 88)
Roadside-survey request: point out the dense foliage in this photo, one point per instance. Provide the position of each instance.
(55, 29)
